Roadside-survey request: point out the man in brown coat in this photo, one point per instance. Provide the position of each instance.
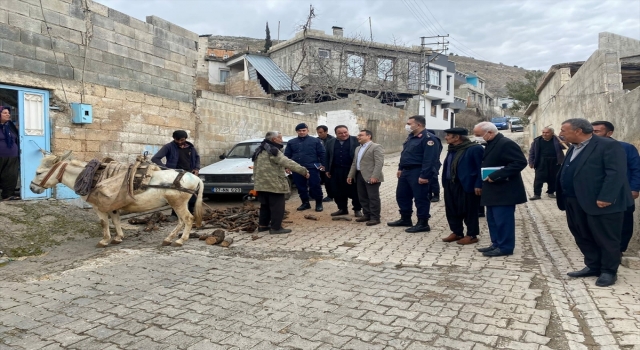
(366, 170)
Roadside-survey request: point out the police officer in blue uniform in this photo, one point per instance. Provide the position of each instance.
(434, 185)
(419, 162)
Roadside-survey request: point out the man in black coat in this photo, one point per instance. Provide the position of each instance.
(594, 191)
(502, 190)
(545, 156)
(339, 157)
(324, 136)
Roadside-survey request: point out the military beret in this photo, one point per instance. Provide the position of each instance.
(457, 131)
(301, 126)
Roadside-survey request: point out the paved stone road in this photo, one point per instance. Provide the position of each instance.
(328, 285)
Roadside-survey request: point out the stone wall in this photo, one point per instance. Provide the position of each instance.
(237, 86)
(138, 76)
(386, 122)
(225, 120)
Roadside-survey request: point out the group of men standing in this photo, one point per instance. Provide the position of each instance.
(349, 166)
(596, 183)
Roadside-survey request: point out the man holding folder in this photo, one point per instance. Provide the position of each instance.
(502, 188)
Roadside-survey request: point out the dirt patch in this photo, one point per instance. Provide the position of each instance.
(31, 227)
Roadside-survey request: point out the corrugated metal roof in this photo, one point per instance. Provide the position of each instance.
(270, 71)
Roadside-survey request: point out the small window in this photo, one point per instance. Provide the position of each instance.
(433, 111)
(413, 76)
(445, 115)
(324, 53)
(385, 69)
(224, 75)
(355, 66)
(434, 77)
(224, 57)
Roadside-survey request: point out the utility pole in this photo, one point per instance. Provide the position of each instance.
(440, 48)
(278, 31)
(370, 30)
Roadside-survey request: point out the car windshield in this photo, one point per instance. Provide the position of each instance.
(497, 120)
(245, 150)
(515, 122)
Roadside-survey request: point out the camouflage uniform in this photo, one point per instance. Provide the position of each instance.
(268, 172)
(272, 184)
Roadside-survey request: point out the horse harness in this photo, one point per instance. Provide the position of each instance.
(62, 165)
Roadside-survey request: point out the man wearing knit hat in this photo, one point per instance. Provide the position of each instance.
(309, 152)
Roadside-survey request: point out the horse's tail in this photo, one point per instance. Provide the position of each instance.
(198, 210)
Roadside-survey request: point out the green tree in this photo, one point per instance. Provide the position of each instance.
(524, 92)
(267, 40)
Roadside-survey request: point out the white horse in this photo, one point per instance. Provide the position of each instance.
(58, 169)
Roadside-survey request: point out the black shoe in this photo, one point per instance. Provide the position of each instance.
(534, 197)
(486, 249)
(435, 198)
(264, 228)
(421, 226)
(357, 213)
(304, 206)
(481, 215)
(363, 219)
(327, 199)
(373, 222)
(496, 252)
(171, 218)
(606, 279)
(551, 195)
(405, 221)
(339, 212)
(319, 207)
(280, 231)
(586, 272)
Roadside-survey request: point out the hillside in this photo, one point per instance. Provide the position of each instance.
(496, 74)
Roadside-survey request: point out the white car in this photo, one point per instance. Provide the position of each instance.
(234, 173)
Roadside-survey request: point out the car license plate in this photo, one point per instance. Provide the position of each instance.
(226, 190)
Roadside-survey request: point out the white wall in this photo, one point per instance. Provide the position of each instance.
(343, 117)
(214, 71)
(437, 122)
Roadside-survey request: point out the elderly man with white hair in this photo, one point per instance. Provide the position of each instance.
(502, 189)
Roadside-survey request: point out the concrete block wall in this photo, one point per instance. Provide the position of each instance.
(623, 45)
(237, 86)
(386, 122)
(224, 121)
(139, 76)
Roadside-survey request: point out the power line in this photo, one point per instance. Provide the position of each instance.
(442, 28)
(420, 21)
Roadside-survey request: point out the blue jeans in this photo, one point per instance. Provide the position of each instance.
(502, 226)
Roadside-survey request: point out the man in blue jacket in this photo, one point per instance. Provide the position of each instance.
(462, 183)
(419, 162)
(180, 154)
(434, 184)
(605, 129)
(309, 152)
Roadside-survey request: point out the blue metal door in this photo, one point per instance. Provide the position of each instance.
(33, 107)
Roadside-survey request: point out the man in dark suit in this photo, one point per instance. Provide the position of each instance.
(502, 190)
(339, 157)
(594, 192)
(324, 136)
(462, 185)
(605, 129)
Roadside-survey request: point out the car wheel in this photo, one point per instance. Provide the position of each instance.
(288, 194)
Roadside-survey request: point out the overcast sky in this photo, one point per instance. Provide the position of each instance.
(533, 34)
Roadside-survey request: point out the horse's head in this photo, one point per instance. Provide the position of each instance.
(46, 174)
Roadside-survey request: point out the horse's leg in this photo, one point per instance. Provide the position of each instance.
(185, 217)
(115, 218)
(174, 232)
(106, 236)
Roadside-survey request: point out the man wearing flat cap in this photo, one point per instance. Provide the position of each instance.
(462, 182)
(309, 152)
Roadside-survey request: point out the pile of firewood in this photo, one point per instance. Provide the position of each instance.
(234, 219)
